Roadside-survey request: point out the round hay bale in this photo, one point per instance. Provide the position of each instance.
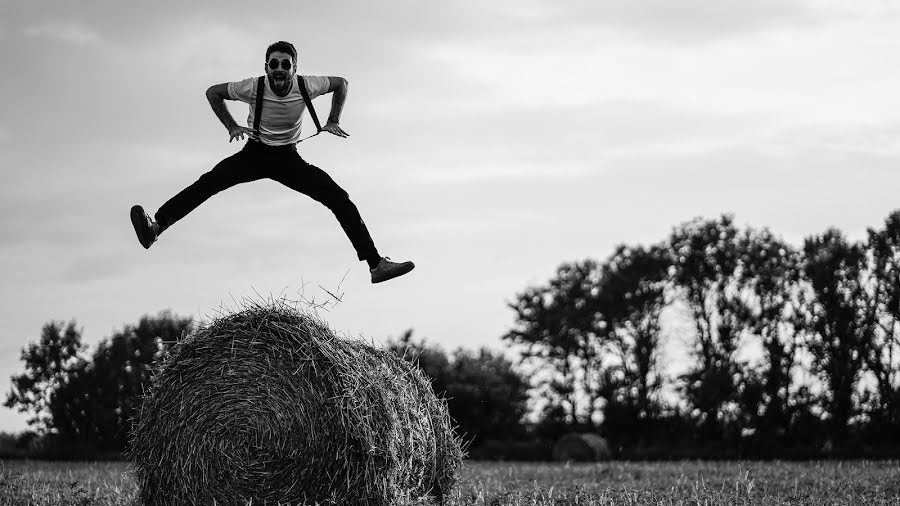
(267, 406)
(581, 448)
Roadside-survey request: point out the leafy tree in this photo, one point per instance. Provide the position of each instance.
(706, 257)
(88, 402)
(48, 366)
(75, 407)
(558, 333)
(632, 298)
(770, 276)
(486, 396)
(839, 323)
(121, 371)
(883, 292)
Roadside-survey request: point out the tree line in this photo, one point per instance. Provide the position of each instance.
(792, 352)
(822, 319)
(81, 404)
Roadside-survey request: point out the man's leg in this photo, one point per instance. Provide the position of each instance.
(240, 167)
(297, 174)
(312, 181)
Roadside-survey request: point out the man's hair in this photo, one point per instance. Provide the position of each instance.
(284, 47)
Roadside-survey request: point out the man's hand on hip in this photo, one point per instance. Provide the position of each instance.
(333, 128)
(238, 132)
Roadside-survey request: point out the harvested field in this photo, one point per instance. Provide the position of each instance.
(850, 483)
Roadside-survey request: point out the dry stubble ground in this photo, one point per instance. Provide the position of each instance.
(497, 484)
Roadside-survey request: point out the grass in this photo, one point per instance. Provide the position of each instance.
(501, 484)
(37, 483)
(682, 483)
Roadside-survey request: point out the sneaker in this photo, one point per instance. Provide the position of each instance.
(147, 230)
(386, 269)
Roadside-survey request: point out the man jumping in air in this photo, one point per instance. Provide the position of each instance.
(271, 152)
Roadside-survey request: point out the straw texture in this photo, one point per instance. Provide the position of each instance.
(267, 406)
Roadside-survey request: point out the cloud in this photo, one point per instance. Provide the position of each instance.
(199, 46)
(682, 22)
(92, 265)
(694, 21)
(876, 140)
(64, 31)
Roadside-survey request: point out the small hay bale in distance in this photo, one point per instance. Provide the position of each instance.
(587, 447)
(266, 405)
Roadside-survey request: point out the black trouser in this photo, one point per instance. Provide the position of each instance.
(279, 163)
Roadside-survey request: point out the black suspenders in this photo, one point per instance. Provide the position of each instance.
(260, 90)
(309, 106)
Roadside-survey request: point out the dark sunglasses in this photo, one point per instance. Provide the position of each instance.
(285, 64)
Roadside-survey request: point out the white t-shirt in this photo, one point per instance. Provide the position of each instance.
(281, 116)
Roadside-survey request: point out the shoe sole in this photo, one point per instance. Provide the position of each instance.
(404, 268)
(139, 222)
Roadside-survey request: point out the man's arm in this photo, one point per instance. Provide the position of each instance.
(337, 86)
(217, 94)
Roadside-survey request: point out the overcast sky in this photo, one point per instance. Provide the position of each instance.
(489, 142)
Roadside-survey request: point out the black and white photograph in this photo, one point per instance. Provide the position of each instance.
(407, 253)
